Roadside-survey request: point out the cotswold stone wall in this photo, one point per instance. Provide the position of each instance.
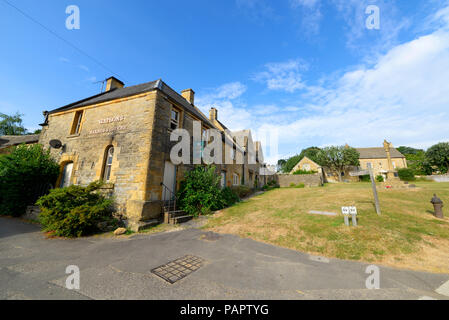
(310, 180)
(138, 129)
(127, 125)
(439, 178)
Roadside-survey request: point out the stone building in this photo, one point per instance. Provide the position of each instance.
(385, 161)
(122, 136)
(306, 164)
(8, 142)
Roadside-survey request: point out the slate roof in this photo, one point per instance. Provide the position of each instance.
(378, 153)
(119, 93)
(7, 141)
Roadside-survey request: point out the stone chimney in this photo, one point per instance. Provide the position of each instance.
(113, 83)
(213, 114)
(189, 95)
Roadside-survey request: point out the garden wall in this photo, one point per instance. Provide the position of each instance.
(310, 180)
(439, 178)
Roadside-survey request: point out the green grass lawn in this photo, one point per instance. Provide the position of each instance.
(405, 235)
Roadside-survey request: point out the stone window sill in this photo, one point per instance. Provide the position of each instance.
(107, 186)
(73, 136)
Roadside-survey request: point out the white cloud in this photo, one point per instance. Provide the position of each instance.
(224, 99)
(83, 67)
(284, 76)
(403, 97)
(354, 15)
(310, 15)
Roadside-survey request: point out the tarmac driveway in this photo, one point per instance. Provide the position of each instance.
(33, 267)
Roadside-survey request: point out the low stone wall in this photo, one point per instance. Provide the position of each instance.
(32, 213)
(439, 178)
(310, 180)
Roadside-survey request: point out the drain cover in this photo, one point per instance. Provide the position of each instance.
(179, 268)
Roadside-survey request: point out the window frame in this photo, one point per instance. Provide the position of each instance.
(235, 177)
(107, 167)
(77, 122)
(175, 122)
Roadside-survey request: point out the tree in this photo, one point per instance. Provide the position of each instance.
(311, 153)
(11, 125)
(291, 163)
(418, 163)
(438, 156)
(281, 164)
(338, 158)
(25, 174)
(286, 166)
(408, 150)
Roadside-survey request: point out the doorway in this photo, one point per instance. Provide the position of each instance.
(66, 175)
(169, 181)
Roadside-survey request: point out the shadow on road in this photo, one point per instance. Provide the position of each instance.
(13, 226)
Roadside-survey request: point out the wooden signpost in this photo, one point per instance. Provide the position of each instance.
(373, 183)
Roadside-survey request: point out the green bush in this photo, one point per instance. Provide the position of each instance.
(300, 185)
(380, 178)
(292, 185)
(272, 183)
(75, 211)
(200, 192)
(229, 196)
(300, 172)
(365, 178)
(406, 174)
(270, 186)
(242, 191)
(25, 173)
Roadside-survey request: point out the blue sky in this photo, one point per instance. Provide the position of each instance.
(308, 71)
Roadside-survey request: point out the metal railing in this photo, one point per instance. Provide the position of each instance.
(172, 199)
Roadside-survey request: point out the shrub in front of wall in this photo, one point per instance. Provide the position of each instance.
(380, 178)
(242, 191)
(230, 197)
(75, 211)
(300, 186)
(365, 178)
(301, 172)
(272, 183)
(406, 174)
(25, 174)
(292, 185)
(200, 191)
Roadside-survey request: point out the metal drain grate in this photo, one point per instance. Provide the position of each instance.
(179, 268)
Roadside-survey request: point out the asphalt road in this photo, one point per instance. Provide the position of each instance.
(33, 267)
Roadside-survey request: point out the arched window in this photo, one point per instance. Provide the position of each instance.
(108, 163)
(66, 175)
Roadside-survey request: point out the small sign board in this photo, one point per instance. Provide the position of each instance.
(349, 210)
(359, 173)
